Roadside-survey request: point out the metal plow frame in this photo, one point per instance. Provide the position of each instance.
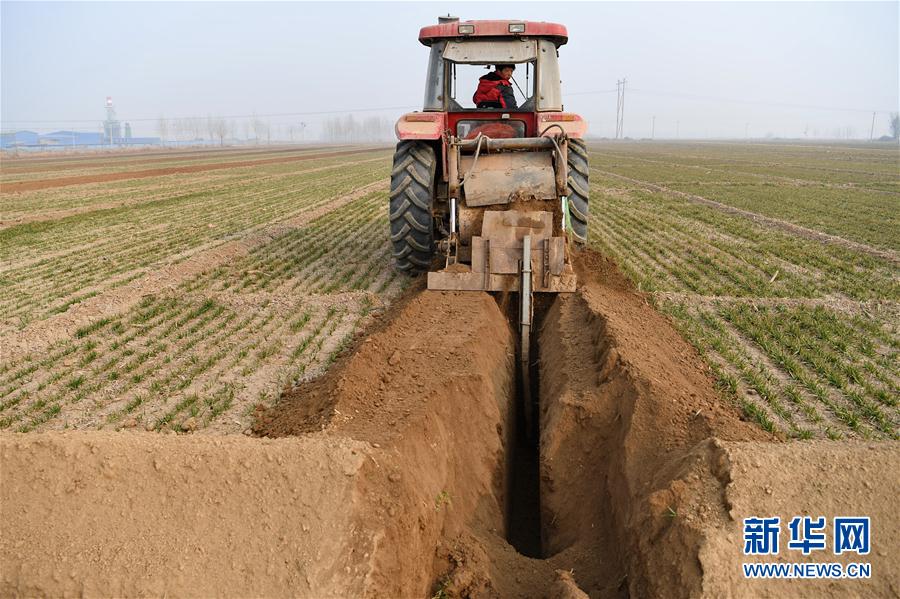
(498, 257)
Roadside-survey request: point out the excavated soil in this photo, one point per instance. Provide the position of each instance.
(407, 471)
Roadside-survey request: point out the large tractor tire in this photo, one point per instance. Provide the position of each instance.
(412, 196)
(579, 189)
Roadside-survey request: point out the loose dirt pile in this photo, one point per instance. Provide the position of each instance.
(145, 515)
(819, 478)
(406, 472)
(433, 393)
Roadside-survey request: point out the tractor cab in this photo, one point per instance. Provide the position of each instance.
(455, 67)
(461, 52)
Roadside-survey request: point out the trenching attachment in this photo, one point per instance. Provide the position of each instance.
(526, 314)
(496, 256)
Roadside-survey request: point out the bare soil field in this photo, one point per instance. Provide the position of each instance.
(214, 384)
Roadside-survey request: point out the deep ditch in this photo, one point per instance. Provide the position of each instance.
(546, 502)
(523, 511)
(619, 397)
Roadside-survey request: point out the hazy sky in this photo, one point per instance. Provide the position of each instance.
(685, 62)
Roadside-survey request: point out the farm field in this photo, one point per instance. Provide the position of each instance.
(733, 296)
(182, 301)
(778, 261)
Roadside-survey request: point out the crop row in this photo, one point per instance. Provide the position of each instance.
(674, 245)
(206, 352)
(173, 358)
(155, 199)
(19, 170)
(345, 250)
(33, 205)
(785, 369)
(852, 212)
(755, 301)
(826, 162)
(151, 234)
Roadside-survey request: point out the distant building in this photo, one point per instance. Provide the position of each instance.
(63, 139)
(71, 138)
(109, 134)
(15, 139)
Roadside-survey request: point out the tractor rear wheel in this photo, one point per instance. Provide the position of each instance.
(412, 196)
(579, 189)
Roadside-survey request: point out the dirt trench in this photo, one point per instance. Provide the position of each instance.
(468, 503)
(624, 404)
(407, 471)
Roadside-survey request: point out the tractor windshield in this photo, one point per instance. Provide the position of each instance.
(465, 77)
(456, 66)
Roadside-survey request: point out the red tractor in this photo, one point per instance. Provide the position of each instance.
(485, 188)
(495, 189)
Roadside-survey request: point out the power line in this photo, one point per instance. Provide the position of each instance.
(591, 93)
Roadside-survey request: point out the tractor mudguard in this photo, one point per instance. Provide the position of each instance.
(421, 125)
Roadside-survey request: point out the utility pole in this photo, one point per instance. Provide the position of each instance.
(618, 105)
(652, 126)
(872, 130)
(620, 108)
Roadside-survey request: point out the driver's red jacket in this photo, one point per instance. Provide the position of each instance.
(494, 92)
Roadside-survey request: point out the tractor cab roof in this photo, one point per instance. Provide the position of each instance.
(461, 30)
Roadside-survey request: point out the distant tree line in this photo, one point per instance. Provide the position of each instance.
(344, 129)
(194, 129)
(350, 130)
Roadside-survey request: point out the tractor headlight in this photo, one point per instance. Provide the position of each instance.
(517, 27)
(466, 29)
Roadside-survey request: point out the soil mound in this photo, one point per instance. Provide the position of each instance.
(145, 515)
(428, 348)
(432, 392)
(816, 478)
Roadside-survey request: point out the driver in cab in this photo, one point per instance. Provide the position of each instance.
(494, 89)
